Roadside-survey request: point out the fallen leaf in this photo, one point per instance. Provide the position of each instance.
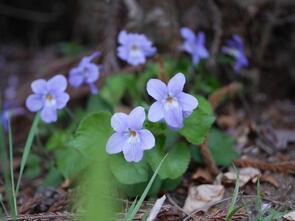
(228, 90)
(245, 175)
(290, 216)
(201, 196)
(270, 179)
(156, 208)
(203, 176)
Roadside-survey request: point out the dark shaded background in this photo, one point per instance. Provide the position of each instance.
(31, 30)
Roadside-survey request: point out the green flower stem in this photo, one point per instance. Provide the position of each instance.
(11, 160)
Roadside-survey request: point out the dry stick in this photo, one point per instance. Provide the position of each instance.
(207, 158)
(46, 216)
(284, 167)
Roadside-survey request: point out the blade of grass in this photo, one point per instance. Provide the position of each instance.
(259, 202)
(3, 207)
(27, 149)
(145, 192)
(231, 211)
(131, 208)
(4, 163)
(11, 160)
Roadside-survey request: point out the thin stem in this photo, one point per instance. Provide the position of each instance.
(27, 149)
(3, 207)
(11, 166)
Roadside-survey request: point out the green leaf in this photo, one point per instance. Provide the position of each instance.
(128, 173)
(115, 87)
(87, 146)
(97, 103)
(92, 135)
(176, 163)
(197, 125)
(221, 146)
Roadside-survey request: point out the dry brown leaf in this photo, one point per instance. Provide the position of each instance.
(228, 90)
(245, 175)
(201, 196)
(203, 175)
(156, 208)
(270, 179)
(227, 121)
(290, 216)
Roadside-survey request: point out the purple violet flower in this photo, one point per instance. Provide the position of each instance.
(172, 104)
(49, 96)
(10, 106)
(194, 44)
(235, 48)
(129, 137)
(86, 72)
(134, 48)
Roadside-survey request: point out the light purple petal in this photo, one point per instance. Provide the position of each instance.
(187, 101)
(123, 37)
(58, 83)
(39, 86)
(92, 73)
(133, 152)
(196, 58)
(115, 143)
(93, 88)
(49, 115)
(136, 118)
(157, 89)
(187, 34)
(119, 122)
(174, 117)
(76, 77)
(136, 60)
(150, 51)
(156, 112)
(203, 52)
(201, 38)
(34, 102)
(62, 100)
(176, 84)
(147, 139)
(87, 59)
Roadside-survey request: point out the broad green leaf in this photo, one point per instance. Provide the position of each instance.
(197, 125)
(97, 103)
(87, 146)
(92, 135)
(221, 146)
(126, 172)
(33, 168)
(176, 163)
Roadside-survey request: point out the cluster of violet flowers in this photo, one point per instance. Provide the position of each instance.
(171, 105)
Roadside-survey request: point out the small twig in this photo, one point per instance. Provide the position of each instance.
(45, 216)
(175, 204)
(207, 158)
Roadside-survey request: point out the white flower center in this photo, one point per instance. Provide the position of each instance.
(135, 49)
(233, 52)
(133, 137)
(50, 100)
(170, 102)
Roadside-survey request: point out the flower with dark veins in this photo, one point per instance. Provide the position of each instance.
(172, 104)
(134, 48)
(235, 48)
(129, 137)
(49, 96)
(194, 44)
(86, 73)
